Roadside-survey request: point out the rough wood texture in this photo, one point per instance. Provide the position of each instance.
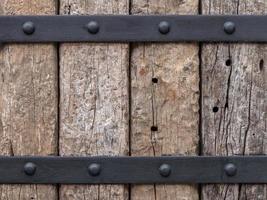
(234, 81)
(94, 111)
(28, 99)
(169, 103)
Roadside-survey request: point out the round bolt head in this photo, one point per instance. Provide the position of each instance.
(230, 169)
(29, 168)
(28, 28)
(94, 169)
(229, 27)
(164, 27)
(165, 170)
(93, 27)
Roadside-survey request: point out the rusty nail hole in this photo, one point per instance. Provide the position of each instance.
(154, 80)
(215, 109)
(261, 64)
(154, 128)
(228, 62)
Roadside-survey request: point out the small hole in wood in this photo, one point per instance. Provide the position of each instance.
(215, 109)
(261, 64)
(228, 62)
(154, 128)
(154, 80)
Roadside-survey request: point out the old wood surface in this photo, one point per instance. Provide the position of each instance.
(164, 94)
(94, 99)
(234, 100)
(28, 99)
(112, 94)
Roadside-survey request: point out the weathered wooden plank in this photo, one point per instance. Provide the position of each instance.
(164, 95)
(28, 99)
(234, 99)
(94, 111)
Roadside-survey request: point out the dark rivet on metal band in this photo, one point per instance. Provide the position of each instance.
(94, 169)
(93, 27)
(165, 170)
(28, 28)
(230, 169)
(29, 168)
(164, 27)
(229, 27)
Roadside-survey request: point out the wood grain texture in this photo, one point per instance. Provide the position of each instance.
(170, 102)
(28, 99)
(94, 105)
(234, 100)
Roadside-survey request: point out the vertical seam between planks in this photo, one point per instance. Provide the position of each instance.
(58, 96)
(129, 98)
(129, 110)
(200, 101)
(200, 92)
(200, 140)
(129, 87)
(58, 86)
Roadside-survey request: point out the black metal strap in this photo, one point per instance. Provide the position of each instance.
(133, 28)
(138, 170)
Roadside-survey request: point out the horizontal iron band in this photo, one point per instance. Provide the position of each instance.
(136, 170)
(119, 28)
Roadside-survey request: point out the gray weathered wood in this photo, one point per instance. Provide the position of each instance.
(234, 81)
(28, 100)
(94, 105)
(171, 104)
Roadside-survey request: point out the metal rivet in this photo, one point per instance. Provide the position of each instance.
(164, 27)
(165, 170)
(93, 27)
(230, 169)
(29, 168)
(229, 27)
(28, 28)
(94, 169)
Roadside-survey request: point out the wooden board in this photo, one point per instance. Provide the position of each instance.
(164, 94)
(234, 99)
(94, 99)
(28, 99)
